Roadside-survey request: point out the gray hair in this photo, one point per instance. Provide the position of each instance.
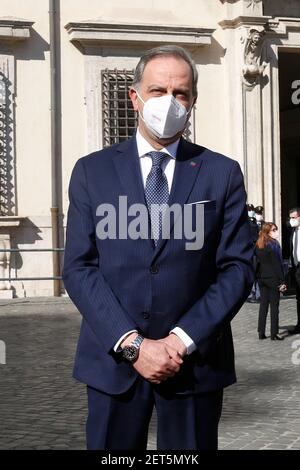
(295, 209)
(168, 50)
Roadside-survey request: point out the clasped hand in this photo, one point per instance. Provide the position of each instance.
(160, 359)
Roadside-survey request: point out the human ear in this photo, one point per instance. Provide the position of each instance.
(134, 98)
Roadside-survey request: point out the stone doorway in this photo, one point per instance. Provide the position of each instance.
(289, 103)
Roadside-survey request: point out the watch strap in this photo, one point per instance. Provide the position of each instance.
(137, 341)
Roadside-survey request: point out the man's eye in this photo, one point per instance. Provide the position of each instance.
(182, 96)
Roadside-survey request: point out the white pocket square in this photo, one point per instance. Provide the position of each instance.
(199, 202)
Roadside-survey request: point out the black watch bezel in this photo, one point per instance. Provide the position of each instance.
(130, 353)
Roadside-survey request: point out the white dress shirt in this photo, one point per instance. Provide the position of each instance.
(298, 245)
(168, 167)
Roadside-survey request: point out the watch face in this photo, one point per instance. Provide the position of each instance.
(130, 353)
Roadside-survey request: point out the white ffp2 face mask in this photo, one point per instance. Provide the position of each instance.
(164, 116)
(294, 223)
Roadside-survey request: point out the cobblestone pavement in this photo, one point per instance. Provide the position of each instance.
(42, 407)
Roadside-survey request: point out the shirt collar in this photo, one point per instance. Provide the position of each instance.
(144, 147)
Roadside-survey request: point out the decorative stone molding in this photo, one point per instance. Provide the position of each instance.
(278, 26)
(254, 30)
(247, 21)
(282, 26)
(98, 32)
(253, 66)
(14, 29)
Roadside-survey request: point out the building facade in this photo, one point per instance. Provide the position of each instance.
(65, 68)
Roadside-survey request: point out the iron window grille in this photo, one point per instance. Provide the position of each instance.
(119, 117)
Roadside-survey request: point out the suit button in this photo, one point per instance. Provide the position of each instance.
(154, 269)
(146, 315)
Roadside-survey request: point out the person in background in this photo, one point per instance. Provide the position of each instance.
(295, 259)
(254, 294)
(252, 222)
(270, 275)
(259, 217)
(259, 220)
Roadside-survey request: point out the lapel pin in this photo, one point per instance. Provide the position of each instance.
(194, 164)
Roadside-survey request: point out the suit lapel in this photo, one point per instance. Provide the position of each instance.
(126, 162)
(127, 166)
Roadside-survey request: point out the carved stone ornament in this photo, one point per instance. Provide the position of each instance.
(253, 67)
(251, 3)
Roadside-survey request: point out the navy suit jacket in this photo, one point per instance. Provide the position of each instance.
(124, 284)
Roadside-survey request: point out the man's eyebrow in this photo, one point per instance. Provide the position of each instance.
(156, 87)
(181, 90)
(163, 88)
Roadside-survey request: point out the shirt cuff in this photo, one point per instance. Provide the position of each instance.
(116, 346)
(186, 339)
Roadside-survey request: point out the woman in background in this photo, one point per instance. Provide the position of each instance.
(270, 275)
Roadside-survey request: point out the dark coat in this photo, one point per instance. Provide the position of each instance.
(254, 229)
(269, 269)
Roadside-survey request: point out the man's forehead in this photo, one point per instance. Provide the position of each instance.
(160, 69)
(156, 64)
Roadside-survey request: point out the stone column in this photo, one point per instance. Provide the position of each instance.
(252, 81)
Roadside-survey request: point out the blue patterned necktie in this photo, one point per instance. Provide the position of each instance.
(156, 192)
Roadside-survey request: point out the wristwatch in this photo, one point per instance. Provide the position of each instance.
(131, 352)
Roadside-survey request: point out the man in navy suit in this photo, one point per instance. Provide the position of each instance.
(294, 220)
(156, 313)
